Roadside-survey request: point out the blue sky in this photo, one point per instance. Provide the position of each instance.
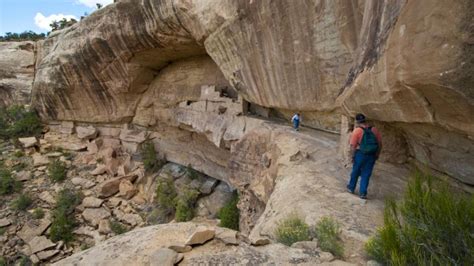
(35, 15)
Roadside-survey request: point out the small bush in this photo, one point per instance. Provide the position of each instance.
(57, 171)
(22, 202)
(24, 261)
(117, 228)
(291, 230)
(166, 195)
(3, 261)
(2, 231)
(8, 185)
(63, 221)
(229, 214)
(432, 225)
(150, 160)
(327, 232)
(17, 121)
(19, 154)
(38, 213)
(186, 204)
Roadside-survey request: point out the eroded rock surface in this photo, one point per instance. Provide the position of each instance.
(17, 60)
(408, 72)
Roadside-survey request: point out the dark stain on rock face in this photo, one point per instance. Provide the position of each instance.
(384, 15)
(461, 78)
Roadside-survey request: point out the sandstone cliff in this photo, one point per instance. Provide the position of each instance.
(208, 81)
(406, 64)
(17, 60)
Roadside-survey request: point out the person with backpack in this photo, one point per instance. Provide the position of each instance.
(296, 121)
(366, 145)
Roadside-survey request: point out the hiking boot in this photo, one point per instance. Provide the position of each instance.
(363, 196)
(349, 190)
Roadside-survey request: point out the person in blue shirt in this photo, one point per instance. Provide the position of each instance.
(296, 121)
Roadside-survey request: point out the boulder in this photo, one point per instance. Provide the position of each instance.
(44, 255)
(47, 197)
(260, 241)
(23, 175)
(28, 142)
(32, 229)
(136, 136)
(39, 160)
(66, 127)
(40, 243)
(228, 236)
(34, 259)
(5, 222)
(163, 257)
(208, 186)
(132, 219)
(126, 189)
(87, 133)
(99, 170)
(94, 215)
(104, 227)
(200, 236)
(92, 202)
(84, 183)
(90, 232)
(210, 205)
(112, 186)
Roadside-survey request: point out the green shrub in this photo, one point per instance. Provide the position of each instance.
(150, 160)
(19, 154)
(328, 234)
(8, 184)
(229, 214)
(291, 230)
(22, 202)
(186, 204)
(2, 231)
(117, 228)
(63, 221)
(57, 171)
(17, 121)
(166, 195)
(24, 261)
(38, 213)
(432, 225)
(3, 261)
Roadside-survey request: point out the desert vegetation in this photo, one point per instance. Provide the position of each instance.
(432, 225)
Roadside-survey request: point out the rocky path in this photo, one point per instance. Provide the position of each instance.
(311, 181)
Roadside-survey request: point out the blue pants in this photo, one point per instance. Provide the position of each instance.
(363, 166)
(296, 124)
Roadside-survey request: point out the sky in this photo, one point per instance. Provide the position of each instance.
(36, 15)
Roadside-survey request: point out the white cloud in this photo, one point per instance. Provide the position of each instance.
(92, 3)
(43, 22)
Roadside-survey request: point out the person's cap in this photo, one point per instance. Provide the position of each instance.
(360, 118)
